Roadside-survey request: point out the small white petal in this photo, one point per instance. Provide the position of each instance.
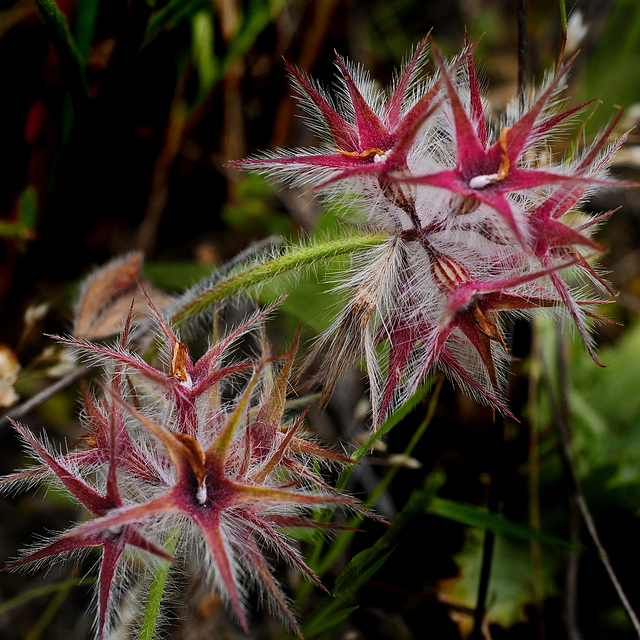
(479, 182)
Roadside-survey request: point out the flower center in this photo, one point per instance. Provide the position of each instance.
(201, 492)
(482, 181)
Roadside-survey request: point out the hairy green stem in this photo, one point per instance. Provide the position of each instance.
(157, 591)
(245, 281)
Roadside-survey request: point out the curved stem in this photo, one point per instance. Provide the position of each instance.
(254, 276)
(561, 412)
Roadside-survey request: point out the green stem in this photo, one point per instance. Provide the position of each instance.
(563, 33)
(157, 590)
(254, 276)
(563, 17)
(343, 540)
(315, 560)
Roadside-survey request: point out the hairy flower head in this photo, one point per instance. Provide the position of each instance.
(479, 216)
(200, 451)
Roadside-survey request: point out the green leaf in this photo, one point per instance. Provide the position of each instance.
(84, 25)
(325, 624)
(205, 58)
(28, 209)
(482, 519)
(171, 16)
(366, 563)
(360, 568)
(259, 14)
(511, 588)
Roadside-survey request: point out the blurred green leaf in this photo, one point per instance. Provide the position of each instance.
(84, 26)
(511, 587)
(38, 592)
(482, 519)
(258, 15)
(328, 622)
(613, 70)
(70, 58)
(24, 228)
(366, 563)
(206, 61)
(171, 16)
(175, 276)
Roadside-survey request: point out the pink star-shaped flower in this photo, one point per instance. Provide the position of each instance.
(489, 173)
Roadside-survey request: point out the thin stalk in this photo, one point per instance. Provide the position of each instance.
(571, 605)
(255, 276)
(562, 416)
(156, 591)
(573, 565)
(488, 546)
(563, 33)
(534, 474)
(42, 396)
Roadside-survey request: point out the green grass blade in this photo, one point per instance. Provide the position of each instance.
(68, 53)
(32, 594)
(480, 518)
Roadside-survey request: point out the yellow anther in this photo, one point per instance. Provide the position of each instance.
(363, 154)
(179, 361)
(503, 171)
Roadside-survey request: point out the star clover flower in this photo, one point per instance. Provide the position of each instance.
(365, 137)
(200, 451)
(480, 218)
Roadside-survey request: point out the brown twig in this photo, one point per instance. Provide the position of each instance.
(560, 409)
(42, 396)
